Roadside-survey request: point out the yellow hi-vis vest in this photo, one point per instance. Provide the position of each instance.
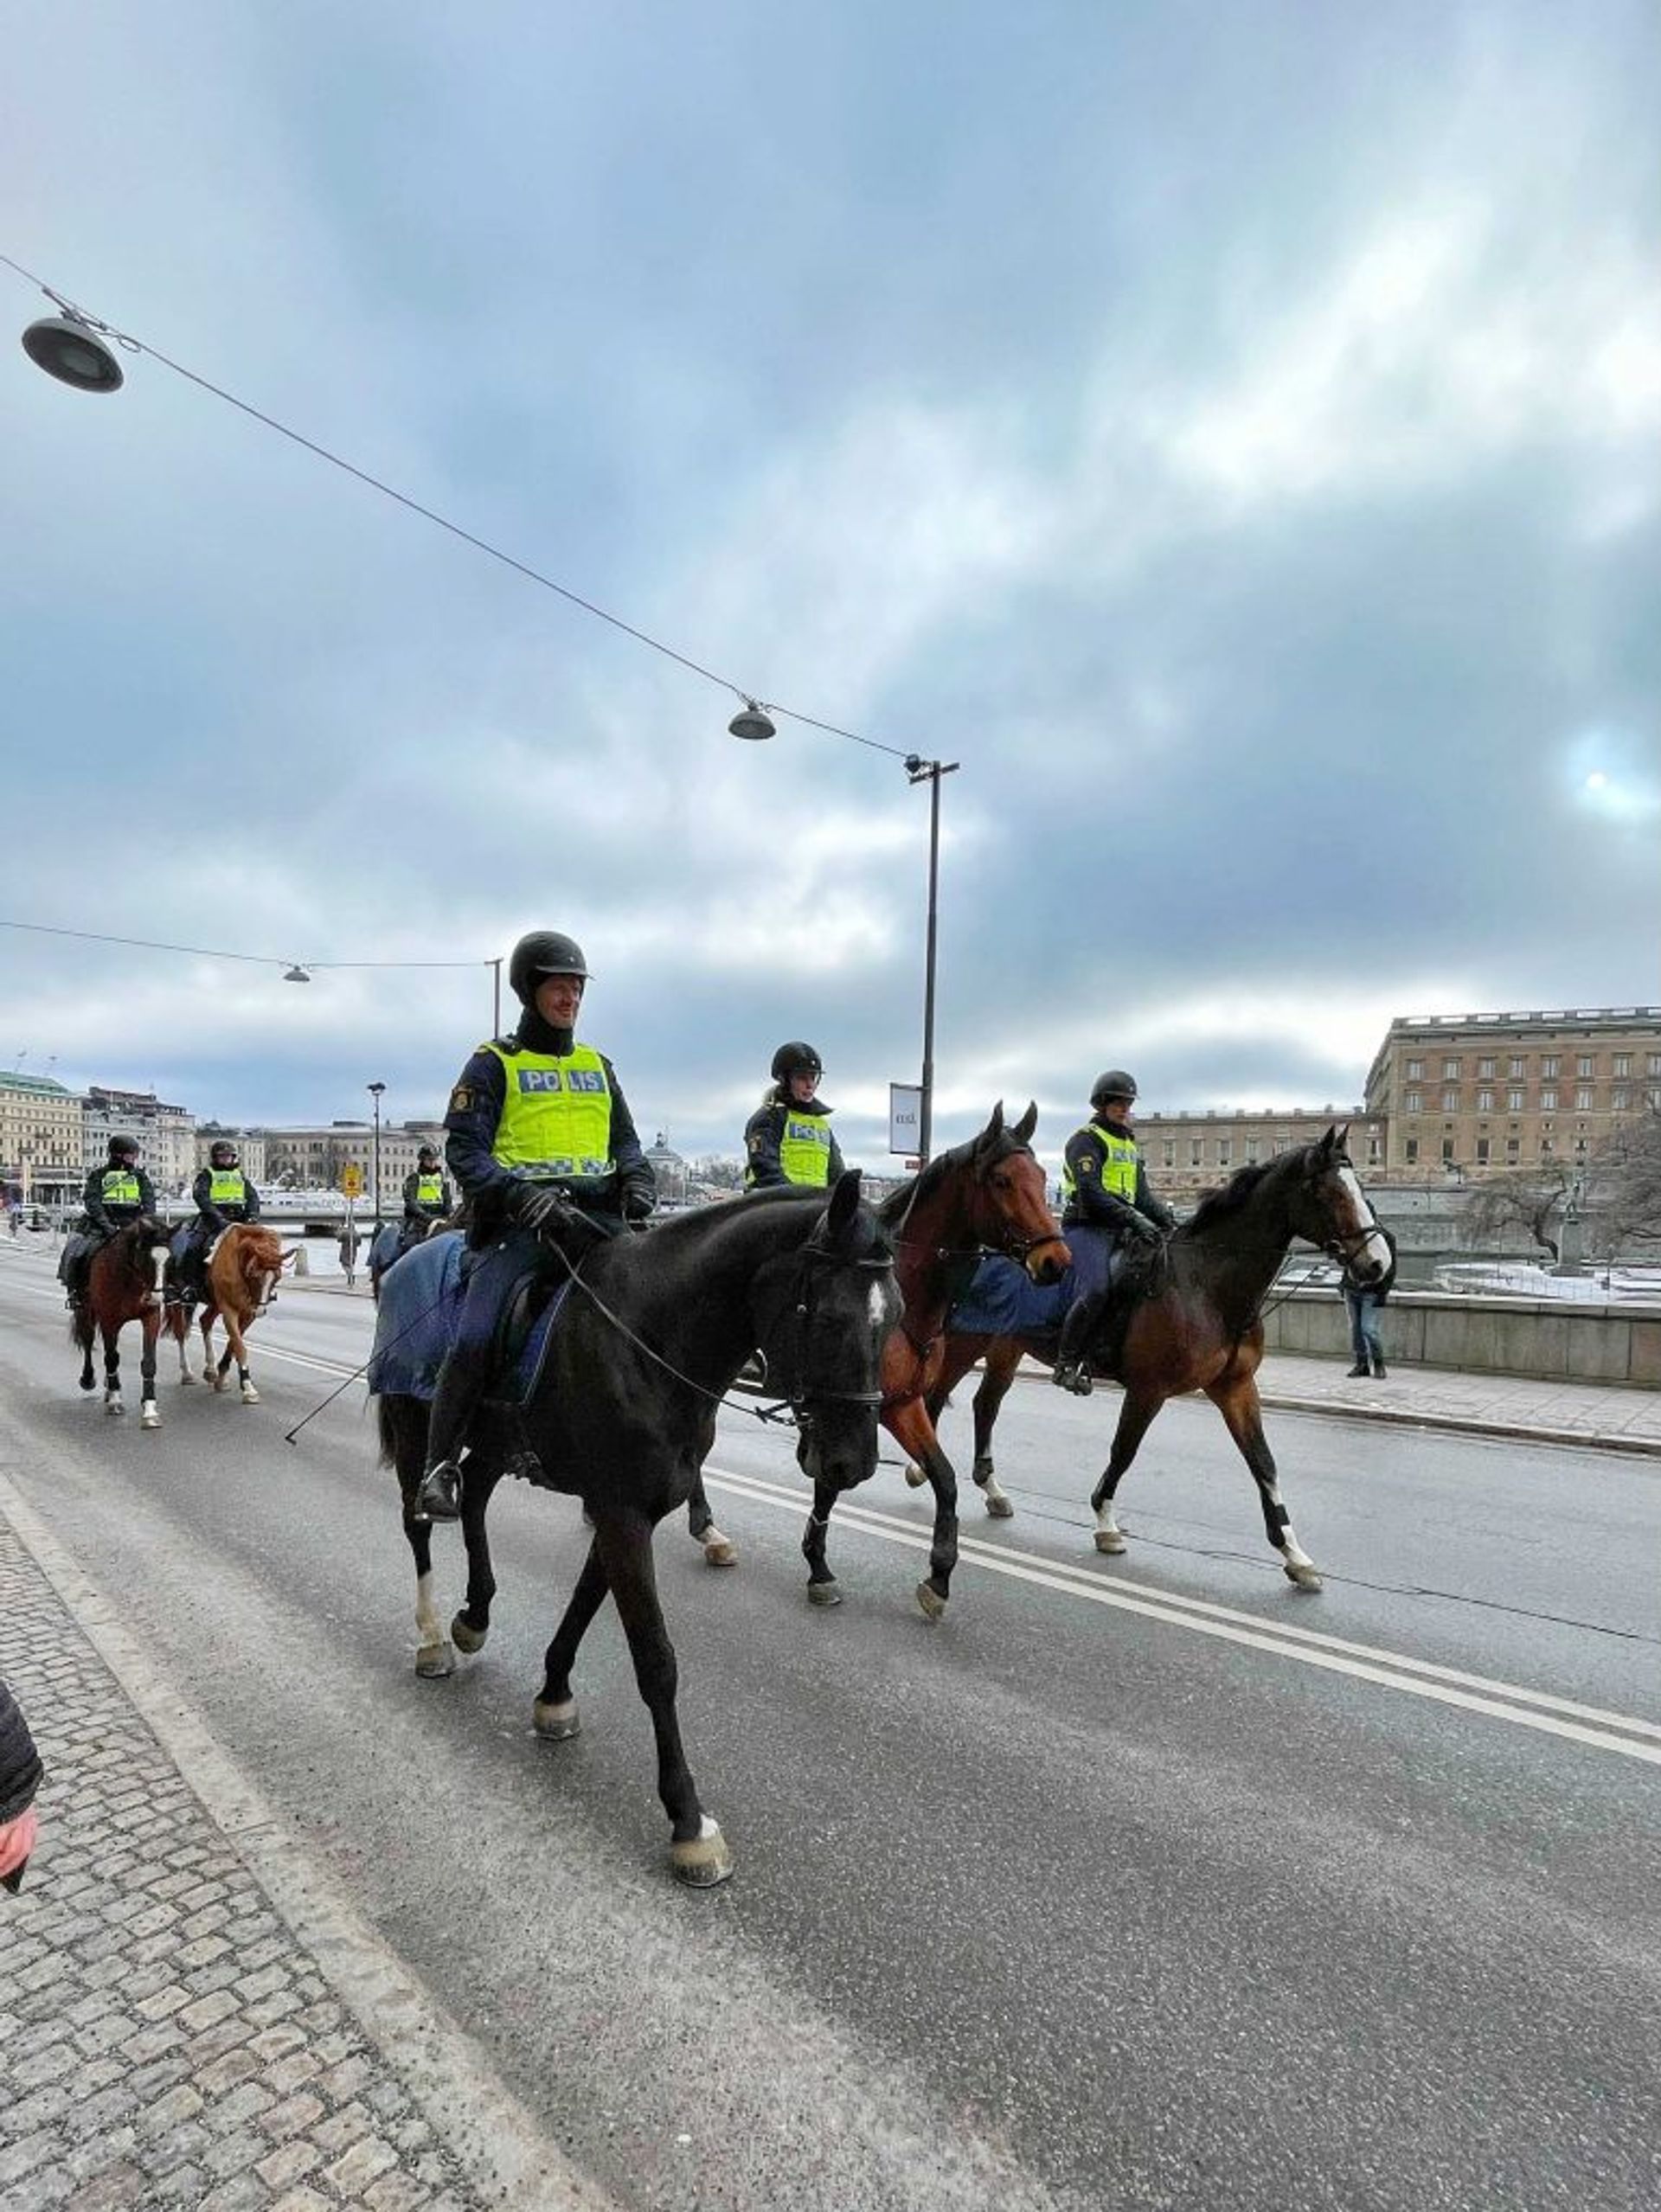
(229, 1188)
(429, 1190)
(120, 1188)
(1118, 1160)
(556, 1117)
(805, 1147)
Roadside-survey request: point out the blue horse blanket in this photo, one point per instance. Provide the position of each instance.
(1003, 1300)
(415, 1325)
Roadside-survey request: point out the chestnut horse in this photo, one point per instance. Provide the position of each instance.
(986, 1195)
(1197, 1323)
(243, 1270)
(124, 1283)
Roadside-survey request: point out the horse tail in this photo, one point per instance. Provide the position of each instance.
(80, 1327)
(387, 1422)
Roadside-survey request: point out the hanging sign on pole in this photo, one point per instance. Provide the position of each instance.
(905, 1116)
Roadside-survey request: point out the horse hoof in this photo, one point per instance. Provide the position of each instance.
(219, 1383)
(434, 1661)
(823, 1593)
(149, 1418)
(114, 1406)
(250, 1395)
(915, 1477)
(556, 1724)
(208, 1375)
(1110, 1540)
(468, 1639)
(932, 1603)
(87, 1383)
(187, 1377)
(999, 1508)
(705, 1861)
(1306, 1577)
(720, 1551)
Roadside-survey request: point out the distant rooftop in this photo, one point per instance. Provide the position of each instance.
(1550, 1013)
(14, 1079)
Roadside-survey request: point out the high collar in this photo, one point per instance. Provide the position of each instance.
(815, 1105)
(534, 1035)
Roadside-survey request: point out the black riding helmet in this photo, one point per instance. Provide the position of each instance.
(796, 1058)
(544, 952)
(124, 1147)
(427, 1152)
(222, 1153)
(1112, 1083)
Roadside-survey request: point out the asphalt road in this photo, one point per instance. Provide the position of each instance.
(1147, 1882)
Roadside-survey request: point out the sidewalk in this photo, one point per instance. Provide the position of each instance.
(1605, 1416)
(171, 2035)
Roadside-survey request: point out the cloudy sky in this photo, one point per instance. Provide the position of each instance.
(1231, 431)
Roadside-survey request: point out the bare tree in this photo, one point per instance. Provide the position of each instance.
(1627, 1176)
(1523, 1202)
(720, 1174)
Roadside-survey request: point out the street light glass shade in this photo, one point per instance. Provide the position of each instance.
(74, 354)
(752, 722)
(297, 975)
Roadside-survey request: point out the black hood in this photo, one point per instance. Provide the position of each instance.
(534, 1035)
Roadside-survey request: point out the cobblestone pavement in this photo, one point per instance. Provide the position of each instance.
(167, 2040)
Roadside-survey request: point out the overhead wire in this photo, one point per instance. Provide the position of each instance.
(741, 692)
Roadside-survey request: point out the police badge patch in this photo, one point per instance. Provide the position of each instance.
(461, 1098)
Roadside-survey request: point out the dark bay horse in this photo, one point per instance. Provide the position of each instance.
(243, 1270)
(652, 1334)
(1197, 1325)
(124, 1283)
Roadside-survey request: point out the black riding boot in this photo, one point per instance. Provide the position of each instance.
(462, 1380)
(1071, 1372)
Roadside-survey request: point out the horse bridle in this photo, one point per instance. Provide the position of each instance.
(1344, 1244)
(801, 1303)
(1007, 1248)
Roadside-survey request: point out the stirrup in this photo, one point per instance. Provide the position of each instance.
(439, 1497)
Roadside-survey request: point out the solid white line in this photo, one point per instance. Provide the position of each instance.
(1532, 1709)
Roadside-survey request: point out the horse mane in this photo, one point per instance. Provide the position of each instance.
(1217, 1205)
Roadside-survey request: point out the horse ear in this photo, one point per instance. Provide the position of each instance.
(992, 1131)
(1021, 1130)
(844, 1202)
(1340, 1137)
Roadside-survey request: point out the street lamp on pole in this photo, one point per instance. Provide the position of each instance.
(919, 771)
(375, 1091)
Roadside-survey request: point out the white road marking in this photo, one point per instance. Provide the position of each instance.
(1584, 1724)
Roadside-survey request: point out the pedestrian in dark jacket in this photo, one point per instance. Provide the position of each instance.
(1363, 1302)
(20, 1777)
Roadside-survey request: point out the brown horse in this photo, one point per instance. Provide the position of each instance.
(1197, 1323)
(242, 1276)
(986, 1195)
(124, 1283)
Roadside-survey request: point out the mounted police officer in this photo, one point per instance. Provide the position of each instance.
(538, 1126)
(116, 1195)
(1106, 1191)
(426, 1195)
(787, 1139)
(222, 1193)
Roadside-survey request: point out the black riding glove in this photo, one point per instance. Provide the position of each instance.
(638, 1203)
(540, 1206)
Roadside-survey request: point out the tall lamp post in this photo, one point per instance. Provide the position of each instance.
(375, 1091)
(919, 771)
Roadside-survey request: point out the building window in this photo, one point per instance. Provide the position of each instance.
(1485, 1068)
(1514, 1101)
(1518, 1067)
(1623, 1064)
(1194, 1147)
(1484, 1101)
(1550, 1065)
(1652, 1065)
(1412, 1151)
(1415, 1101)
(1619, 1100)
(1585, 1064)
(1512, 1150)
(1450, 1101)
(1482, 1151)
(1447, 1152)
(1450, 1071)
(1652, 1098)
(1373, 1152)
(1583, 1097)
(1548, 1100)
(1546, 1148)
(1416, 1069)
(1225, 1151)
(1170, 1151)
(1251, 1151)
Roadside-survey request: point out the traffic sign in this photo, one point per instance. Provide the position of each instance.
(351, 1181)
